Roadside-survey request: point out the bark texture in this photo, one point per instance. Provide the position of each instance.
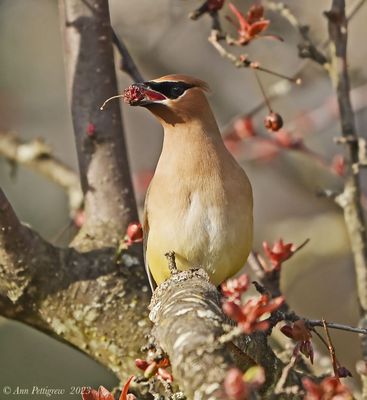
(189, 326)
(103, 164)
(85, 299)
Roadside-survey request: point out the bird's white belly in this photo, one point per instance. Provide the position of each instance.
(201, 226)
(201, 233)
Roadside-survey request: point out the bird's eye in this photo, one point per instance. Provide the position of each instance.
(177, 91)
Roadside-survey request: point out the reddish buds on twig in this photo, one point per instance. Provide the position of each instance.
(134, 233)
(250, 27)
(328, 388)
(237, 386)
(210, 6)
(250, 316)
(233, 288)
(104, 394)
(155, 368)
(234, 385)
(278, 253)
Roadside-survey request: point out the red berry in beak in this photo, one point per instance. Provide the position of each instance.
(133, 94)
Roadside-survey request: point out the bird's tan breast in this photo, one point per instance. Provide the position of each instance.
(203, 211)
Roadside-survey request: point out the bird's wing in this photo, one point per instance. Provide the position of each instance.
(145, 241)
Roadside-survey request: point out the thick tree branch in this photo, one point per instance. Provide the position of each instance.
(67, 294)
(188, 324)
(21, 251)
(37, 156)
(103, 163)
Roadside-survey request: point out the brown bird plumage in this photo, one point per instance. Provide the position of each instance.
(199, 202)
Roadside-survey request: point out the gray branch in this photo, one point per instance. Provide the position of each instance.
(350, 199)
(87, 300)
(188, 322)
(37, 156)
(103, 163)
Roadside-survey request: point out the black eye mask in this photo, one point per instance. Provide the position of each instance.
(171, 90)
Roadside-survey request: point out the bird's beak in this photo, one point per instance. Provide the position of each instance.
(141, 94)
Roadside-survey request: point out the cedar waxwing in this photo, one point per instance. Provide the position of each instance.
(199, 202)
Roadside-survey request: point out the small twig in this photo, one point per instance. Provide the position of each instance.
(167, 386)
(333, 325)
(216, 25)
(199, 12)
(331, 348)
(280, 386)
(307, 49)
(37, 156)
(171, 257)
(127, 63)
(266, 99)
(229, 336)
(270, 285)
(242, 61)
(322, 340)
(353, 12)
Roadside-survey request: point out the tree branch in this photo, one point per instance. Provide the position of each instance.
(307, 49)
(38, 156)
(349, 200)
(103, 163)
(127, 63)
(215, 39)
(188, 325)
(333, 325)
(66, 294)
(21, 250)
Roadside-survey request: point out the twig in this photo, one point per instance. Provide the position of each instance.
(127, 63)
(353, 12)
(270, 280)
(242, 61)
(171, 258)
(307, 49)
(331, 348)
(280, 386)
(229, 336)
(333, 325)
(38, 156)
(199, 12)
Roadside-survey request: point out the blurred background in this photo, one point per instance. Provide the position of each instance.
(318, 282)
